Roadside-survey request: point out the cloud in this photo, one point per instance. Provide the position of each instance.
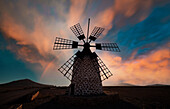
(76, 11)
(121, 13)
(152, 68)
(30, 28)
(32, 38)
(144, 37)
(130, 7)
(37, 41)
(104, 19)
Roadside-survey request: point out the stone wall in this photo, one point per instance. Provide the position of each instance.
(86, 78)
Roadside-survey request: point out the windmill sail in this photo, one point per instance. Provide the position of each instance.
(61, 43)
(107, 47)
(104, 71)
(77, 30)
(67, 68)
(97, 31)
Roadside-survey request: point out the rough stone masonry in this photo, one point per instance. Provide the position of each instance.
(86, 78)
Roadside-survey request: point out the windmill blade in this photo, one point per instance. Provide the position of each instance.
(61, 43)
(67, 68)
(98, 64)
(107, 47)
(77, 30)
(97, 31)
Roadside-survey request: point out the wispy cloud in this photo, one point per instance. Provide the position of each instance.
(150, 69)
(32, 26)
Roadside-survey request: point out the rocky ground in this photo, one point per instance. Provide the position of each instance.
(27, 94)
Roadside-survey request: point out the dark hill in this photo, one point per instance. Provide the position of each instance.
(126, 84)
(23, 83)
(158, 85)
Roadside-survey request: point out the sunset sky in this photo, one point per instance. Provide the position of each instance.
(141, 28)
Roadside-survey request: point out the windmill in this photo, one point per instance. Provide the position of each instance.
(85, 69)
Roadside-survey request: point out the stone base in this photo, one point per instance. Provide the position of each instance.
(86, 78)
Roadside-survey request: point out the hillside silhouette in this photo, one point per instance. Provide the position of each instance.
(28, 94)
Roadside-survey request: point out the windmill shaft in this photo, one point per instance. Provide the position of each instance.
(88, 29)
(84, 41)
(80, 45)
(92, 45)
(90, 41)
(72, 44)
(63, 43)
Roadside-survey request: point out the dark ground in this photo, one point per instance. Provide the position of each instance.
(27, 94)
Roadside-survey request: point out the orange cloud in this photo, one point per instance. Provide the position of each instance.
(40, 35)
(104, 19)
(44, 29)
(127, 8)
(76, 11)
(35, 44)
(150, 69)
(38, 39)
